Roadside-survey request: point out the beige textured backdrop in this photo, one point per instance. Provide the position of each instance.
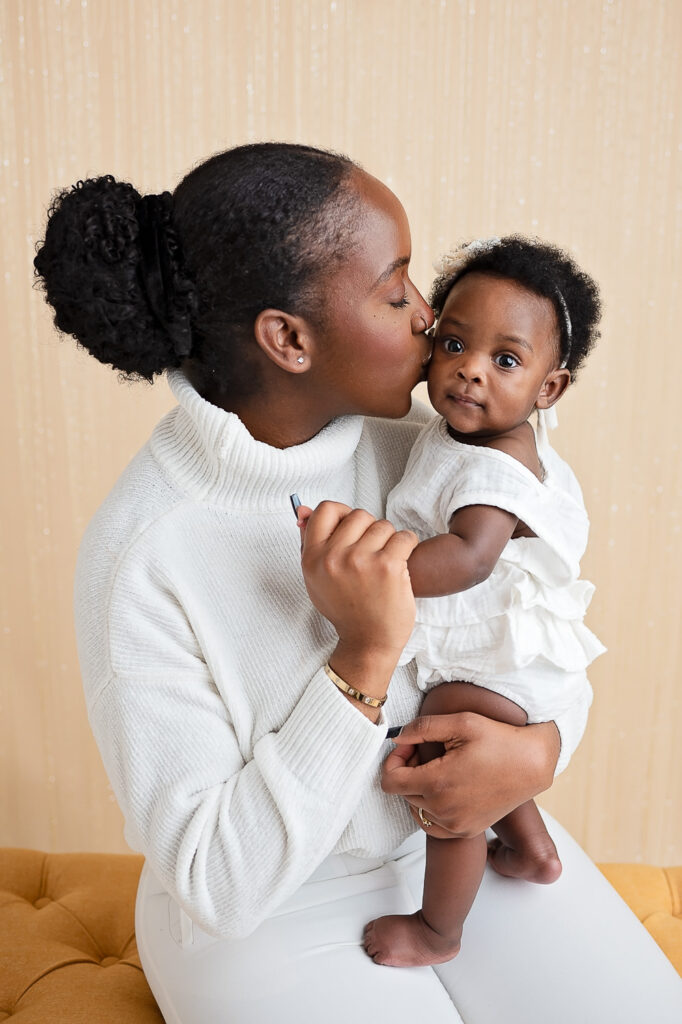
(550, 117)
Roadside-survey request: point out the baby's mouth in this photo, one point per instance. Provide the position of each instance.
(464, 400)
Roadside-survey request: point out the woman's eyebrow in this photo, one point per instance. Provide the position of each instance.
(402, 261)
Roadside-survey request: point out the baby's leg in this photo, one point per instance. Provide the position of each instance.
(524, 847)
(432, 935)
(454, 867)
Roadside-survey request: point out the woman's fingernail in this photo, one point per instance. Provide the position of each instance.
(394, 731)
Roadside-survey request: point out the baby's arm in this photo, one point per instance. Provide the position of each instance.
(459, 559)
(467, 555)
(463, 557)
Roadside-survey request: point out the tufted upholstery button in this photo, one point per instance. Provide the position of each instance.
(107, 961)
(42, 902)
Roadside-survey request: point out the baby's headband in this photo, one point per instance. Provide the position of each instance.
(454, 262)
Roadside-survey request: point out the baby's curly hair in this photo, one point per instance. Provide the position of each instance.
(542, 268)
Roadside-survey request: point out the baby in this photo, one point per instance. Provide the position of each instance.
(502, 528)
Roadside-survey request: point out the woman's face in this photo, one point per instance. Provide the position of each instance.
(373, 349)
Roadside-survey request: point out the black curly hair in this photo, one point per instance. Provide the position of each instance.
(547, 271)
(255, 227)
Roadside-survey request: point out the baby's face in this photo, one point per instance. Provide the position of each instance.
(494, 345)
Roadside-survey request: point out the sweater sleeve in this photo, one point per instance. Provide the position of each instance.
(230, 836)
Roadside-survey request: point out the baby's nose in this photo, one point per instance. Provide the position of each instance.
(470, 366)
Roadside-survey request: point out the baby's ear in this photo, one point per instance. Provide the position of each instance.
(553, 387)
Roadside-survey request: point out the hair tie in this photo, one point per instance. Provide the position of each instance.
(453, 262)
(567, 325)
(159, 251)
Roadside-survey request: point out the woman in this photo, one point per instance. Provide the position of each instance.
(274, 285)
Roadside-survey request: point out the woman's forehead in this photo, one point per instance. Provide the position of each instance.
(382, 242)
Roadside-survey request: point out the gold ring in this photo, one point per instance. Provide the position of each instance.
(425, 821)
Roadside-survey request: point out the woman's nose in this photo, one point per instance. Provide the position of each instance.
(419, 322)
(422, 318)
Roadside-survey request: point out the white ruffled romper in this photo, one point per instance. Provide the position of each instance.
(519, 633)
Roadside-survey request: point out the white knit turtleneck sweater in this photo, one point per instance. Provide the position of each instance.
(237, 764)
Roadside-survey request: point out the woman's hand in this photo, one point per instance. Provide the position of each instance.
(487, 770)
(355, 570)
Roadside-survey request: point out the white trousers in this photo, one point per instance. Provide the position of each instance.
(567, 953)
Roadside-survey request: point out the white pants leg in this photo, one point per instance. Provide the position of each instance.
(304, 964)
(569, 952)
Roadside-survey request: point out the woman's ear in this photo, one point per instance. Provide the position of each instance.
(285, 339)
(553, 387)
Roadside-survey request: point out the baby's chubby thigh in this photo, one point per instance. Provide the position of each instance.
(455, 696)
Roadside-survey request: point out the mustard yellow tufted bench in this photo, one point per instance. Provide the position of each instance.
(67, 940)
(655, 895)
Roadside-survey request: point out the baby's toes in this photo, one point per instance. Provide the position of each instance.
(368, 939)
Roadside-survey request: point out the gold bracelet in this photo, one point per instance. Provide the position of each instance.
(373, 702)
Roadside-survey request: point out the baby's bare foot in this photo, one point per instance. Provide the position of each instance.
(540, 864)
(402, 940)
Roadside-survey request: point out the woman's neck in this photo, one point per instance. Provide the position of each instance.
(212, 453)
(281, 414)
(275, 425)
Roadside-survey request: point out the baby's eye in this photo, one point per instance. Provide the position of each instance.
(453, 345)
(507, 361)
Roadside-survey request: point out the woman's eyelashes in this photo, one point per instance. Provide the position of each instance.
(409, 292)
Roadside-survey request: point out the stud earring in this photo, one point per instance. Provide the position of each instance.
(300, 359)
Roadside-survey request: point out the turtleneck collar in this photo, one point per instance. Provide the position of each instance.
(213, 457)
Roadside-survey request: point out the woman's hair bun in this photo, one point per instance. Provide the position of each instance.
(111, 268)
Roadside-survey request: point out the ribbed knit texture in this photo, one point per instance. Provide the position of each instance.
(236, 762)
